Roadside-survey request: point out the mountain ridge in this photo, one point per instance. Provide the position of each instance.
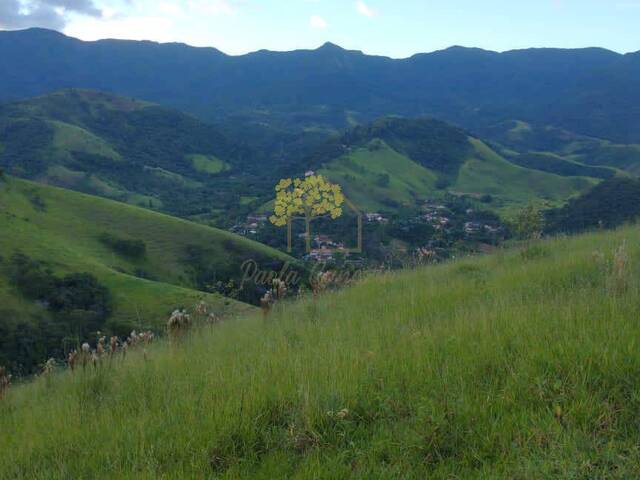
(590, 91)
(325, 45)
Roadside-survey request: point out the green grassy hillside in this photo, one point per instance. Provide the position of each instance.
(552, 163)
(551, 148)
(486, 172)
(378, 177)
(64, 230)
(119, 148)
(515, 365)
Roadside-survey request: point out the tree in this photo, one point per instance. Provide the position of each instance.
(311, 197)
(529, 222)
(383, 180)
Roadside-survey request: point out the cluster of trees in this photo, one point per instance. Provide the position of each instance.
(607, 205)
(131, 248)
(25, 142)
(76, 306)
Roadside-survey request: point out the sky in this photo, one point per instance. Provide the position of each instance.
(395, 28)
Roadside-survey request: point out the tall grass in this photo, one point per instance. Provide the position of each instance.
(506, 366)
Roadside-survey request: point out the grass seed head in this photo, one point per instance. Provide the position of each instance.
(71, 360)
(266, 303)
(133, 338)
(342, 414)
(85, 355)
(49, 367)
(5, 382)
(278, 289)
(179, 323)
(201, 308)
(95, 359)
(621, 267)
(322, 282)
(147, 337)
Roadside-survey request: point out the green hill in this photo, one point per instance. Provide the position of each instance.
(562, 151)
(486, 172)
(506, 366)
(120, 148)
(377, 177)
(150, 156)
(69, 232)
(394, 162)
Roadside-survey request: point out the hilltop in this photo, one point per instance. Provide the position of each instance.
(149, 262)
(520, 364)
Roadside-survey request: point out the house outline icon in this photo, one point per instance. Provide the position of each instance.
(357, 249)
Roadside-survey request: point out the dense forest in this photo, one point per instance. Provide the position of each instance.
(608, 205)
(76, 305)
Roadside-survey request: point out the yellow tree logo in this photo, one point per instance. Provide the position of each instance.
(307, 198)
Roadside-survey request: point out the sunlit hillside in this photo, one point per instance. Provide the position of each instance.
(521, 364)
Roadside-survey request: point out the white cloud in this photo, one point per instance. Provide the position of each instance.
(160, 21)
(364, 9)
(317, 22)
(43, 13)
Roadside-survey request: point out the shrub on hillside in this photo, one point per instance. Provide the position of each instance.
(125, 246)
(383, 180)
(74, 295)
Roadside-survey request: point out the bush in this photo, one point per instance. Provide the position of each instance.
(383, 180)
(131, 248)
(442, 183)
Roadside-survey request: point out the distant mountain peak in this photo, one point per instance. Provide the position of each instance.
(333, 49)
(331, 46)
